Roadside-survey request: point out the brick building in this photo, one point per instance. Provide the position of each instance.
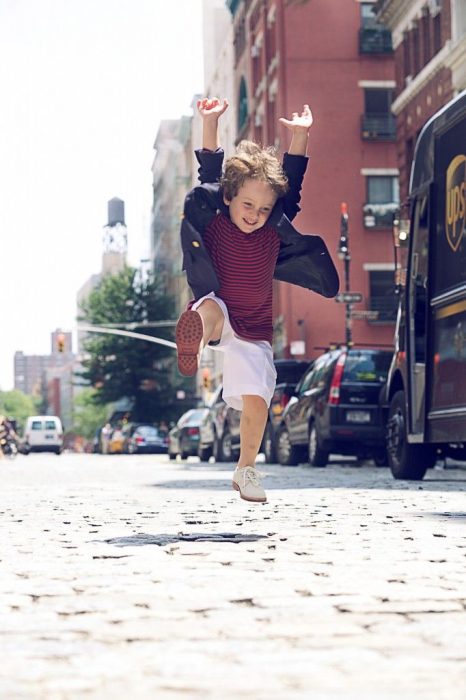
(429, 39)
(336, 56)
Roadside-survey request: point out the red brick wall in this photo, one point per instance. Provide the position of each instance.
(320, 64)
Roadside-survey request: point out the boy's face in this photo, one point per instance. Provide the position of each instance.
(251, 207)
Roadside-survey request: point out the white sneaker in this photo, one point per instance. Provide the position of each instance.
(247, 480)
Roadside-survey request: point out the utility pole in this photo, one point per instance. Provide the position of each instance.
(344, 254)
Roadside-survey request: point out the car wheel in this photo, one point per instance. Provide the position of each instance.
(226, 448)
(381, 458)
(217, 449)
(288, 454)
(318, 457)
(204, 453)
(405, 461)
(269, 445)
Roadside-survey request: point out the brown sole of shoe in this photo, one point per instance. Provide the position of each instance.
(188, 336)
(251, 500)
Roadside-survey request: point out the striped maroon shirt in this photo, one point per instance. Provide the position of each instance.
(244, 263)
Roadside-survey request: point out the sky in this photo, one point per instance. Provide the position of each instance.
(83, 87)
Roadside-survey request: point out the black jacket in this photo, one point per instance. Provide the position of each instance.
(302, 260)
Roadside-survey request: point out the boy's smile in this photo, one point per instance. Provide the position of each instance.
(252, 206)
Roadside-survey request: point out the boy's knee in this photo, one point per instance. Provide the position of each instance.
(254, 402)
(209, 306)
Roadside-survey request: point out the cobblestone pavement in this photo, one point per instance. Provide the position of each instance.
(135, 578)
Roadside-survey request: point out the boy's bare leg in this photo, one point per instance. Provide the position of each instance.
(212, 320)
(251, 427)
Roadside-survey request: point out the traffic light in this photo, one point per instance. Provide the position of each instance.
(343, 244)
(61, 342)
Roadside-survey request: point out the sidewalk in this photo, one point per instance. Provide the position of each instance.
(132, 578)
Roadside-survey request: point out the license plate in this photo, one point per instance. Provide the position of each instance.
(358, 417)
(49, 437)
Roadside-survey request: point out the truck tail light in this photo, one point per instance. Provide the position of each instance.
(334, 395)
(193, 431)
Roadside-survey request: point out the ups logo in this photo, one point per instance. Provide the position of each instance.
(456, 202)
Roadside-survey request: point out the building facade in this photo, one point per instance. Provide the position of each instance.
(49, 377)
(172, 170)
(429, 38)
(337, 57)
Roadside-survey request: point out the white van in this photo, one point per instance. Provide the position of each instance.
(43, 434)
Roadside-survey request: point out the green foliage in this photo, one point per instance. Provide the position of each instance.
(15, 404)
(88, 415)
(118, 367)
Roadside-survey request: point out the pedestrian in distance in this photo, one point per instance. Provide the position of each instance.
(236, 237)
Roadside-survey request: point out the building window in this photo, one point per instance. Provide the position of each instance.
(368, 14)
(240, 39)
(382, 201)
(416, 49)
(373, 37)
(425, 24)
(383, 298)
(242, 106)
(378, 123)
(437, 22)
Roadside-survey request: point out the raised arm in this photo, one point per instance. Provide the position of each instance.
(210, 156)
(295, 160)
(299, 125)
(211, 110)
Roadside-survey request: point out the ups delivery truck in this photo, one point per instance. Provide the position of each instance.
(426, 388)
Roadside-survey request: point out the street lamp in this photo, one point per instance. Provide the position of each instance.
(344, 254)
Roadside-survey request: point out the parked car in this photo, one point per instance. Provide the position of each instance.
(43, 434)
(336, 409)
(183, 439)
(144, 438)
(220, 432)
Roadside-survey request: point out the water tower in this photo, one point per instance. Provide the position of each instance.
(115, 238)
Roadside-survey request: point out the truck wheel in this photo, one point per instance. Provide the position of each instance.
(269, 445)
(288, 454)
(318, 457)
(406, 461)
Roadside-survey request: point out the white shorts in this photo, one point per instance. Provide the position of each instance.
(248, 366)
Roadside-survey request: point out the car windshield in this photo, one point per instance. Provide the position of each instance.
(367, 366)
(196, 416)
(290, 373)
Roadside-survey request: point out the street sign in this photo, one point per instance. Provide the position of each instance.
(348, 297)
(365, 315)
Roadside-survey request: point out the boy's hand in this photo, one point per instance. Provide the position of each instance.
(211, 108)
(299, 122)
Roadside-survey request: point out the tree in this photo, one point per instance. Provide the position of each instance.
(15, 404)
(88, 415)
(118, 367)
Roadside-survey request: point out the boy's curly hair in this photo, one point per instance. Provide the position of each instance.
(252, 162)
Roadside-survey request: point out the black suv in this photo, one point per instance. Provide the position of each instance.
(336, 409)
(219, 433)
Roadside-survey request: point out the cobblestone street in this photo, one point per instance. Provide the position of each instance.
(135, 578)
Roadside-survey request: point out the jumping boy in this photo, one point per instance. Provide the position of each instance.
(236, 238)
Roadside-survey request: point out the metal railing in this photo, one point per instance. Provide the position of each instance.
(378, 127)
(375, 39)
